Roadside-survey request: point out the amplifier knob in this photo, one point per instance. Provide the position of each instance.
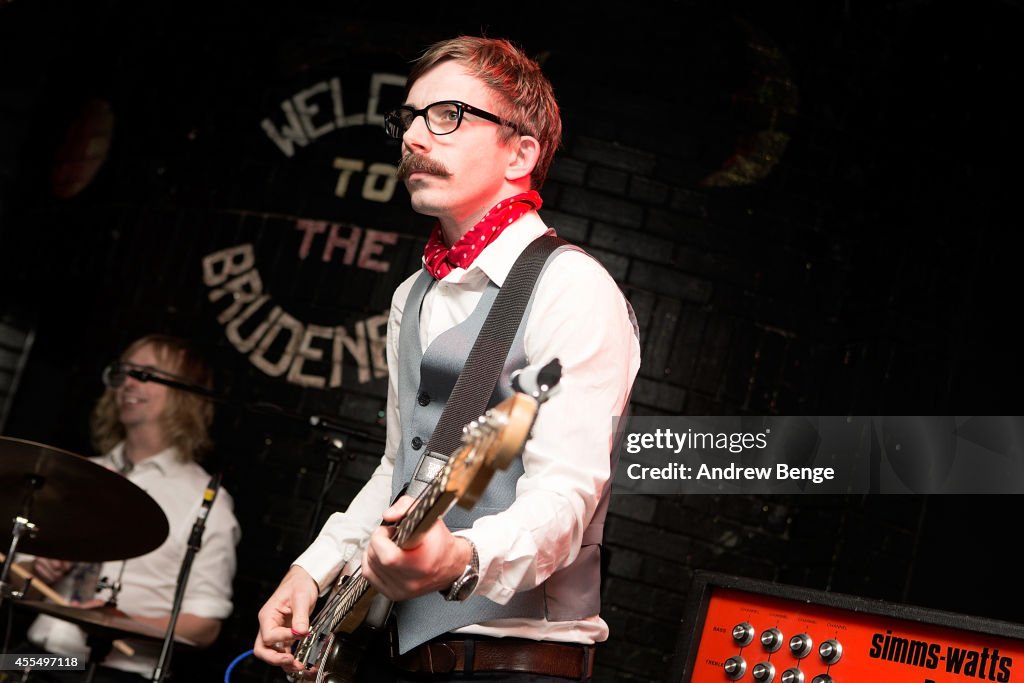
(822, 678)
(763, 672)
(743, 634)
(735, 667)
(771, 639)
(800, 645)
(792, 676)
(830, 651)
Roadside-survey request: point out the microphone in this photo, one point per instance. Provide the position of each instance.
(209, 495)
(117, 373)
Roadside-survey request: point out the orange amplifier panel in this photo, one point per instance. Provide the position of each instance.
(741, 629)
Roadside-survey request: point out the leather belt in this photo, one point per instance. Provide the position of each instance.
(516, 655)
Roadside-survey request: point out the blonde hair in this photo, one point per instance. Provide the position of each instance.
(526, 96)
(186, 418)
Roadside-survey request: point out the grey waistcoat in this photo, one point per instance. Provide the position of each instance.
(425, 382)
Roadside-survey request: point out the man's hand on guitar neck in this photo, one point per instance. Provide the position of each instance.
(283, 615)
(433, 563)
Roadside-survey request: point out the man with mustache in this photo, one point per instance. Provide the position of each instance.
(509, 590)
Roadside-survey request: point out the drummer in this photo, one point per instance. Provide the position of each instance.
(154, 435)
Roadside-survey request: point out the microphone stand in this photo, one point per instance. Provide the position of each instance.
(323, 424)
(194, 542)
(316, 421)
(335, 447)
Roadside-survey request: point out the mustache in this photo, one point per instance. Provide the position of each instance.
(417, 163)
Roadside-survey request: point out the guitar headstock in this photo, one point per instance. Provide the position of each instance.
(489, 443)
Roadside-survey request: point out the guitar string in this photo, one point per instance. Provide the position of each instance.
(358, 585)
(341, 604)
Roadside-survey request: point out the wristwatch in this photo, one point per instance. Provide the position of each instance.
(464, 585)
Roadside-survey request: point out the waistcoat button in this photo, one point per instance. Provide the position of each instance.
(417, 443)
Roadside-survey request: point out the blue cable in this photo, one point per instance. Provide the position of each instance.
(236, 660)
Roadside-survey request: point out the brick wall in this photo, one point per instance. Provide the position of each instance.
(863, 272)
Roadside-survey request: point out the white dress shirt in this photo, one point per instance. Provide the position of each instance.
(150, 581)
(578, 316)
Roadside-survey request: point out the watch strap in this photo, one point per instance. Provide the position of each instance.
(464, 585)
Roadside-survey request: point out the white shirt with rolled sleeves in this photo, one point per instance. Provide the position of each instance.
(150, 581)
(578, 316)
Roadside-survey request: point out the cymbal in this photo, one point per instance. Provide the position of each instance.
(81, 510)
(102, 621)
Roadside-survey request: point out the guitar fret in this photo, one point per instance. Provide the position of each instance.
(403, 532)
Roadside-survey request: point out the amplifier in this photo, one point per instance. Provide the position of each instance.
(741, 629)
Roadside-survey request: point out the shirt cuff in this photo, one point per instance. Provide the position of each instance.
(323, 562)
(487, 587)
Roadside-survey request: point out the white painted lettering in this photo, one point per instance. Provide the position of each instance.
(307, 110)
(347, 168)
(220, 265)
(306, 352)
(357, 348)
(299, 110)
(245, 288)
(380, 182)
(376, 330)
(291, 134)
(378, 82)
(233, 333)
(339, 108)
(283, 324)
(274, 340)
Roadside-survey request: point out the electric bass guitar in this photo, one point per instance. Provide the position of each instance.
(329, 653)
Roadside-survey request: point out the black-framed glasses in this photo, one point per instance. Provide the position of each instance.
(442, 117)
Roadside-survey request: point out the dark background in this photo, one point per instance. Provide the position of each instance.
(808, 204)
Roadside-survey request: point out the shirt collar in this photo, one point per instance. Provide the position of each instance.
(164, 462)
(497, 259)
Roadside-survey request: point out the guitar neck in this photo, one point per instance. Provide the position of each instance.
(430, 505)
(432, 502)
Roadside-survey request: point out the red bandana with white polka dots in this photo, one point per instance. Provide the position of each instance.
(441, 260)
